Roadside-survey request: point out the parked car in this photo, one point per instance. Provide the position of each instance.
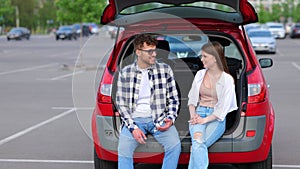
(262, 40)
(252, 26)
(295, 30)
(277, 29)
(288, 27)
(18, 33)
(66, 32)
(94, 29)
(113, 30)
(82, 29)
(247, 141)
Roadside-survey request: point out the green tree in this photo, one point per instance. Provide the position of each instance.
(27, 12)
(78, 11)
(295, 13)
(276, 13)
(286, 10)
(263, 14)
(6, 13)
(47, 14)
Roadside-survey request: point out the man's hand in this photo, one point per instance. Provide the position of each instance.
(139, 136)
(168, 124)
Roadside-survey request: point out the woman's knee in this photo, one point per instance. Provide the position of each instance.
(198, 137)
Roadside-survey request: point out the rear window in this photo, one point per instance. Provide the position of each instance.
(155, 5)
(276, 26)
(260, 34)
(185, 48)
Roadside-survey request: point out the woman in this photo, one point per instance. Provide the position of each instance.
(211, 97)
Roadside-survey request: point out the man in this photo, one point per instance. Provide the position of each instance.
(147, 101)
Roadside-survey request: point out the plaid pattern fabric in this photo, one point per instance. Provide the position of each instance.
(164, 97)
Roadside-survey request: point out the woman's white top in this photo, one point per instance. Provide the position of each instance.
(225, 89)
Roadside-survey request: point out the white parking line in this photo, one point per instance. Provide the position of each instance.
(67, 75)
(77, 108)
(45, 161)
(286, 166)
(92, 162)
(296, 65)
(23, 132)
(28, 69)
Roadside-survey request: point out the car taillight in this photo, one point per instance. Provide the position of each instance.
(105, 88)
(256, 87)
(104, 95)
(249, 14)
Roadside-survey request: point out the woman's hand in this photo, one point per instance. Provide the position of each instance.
(196, 119)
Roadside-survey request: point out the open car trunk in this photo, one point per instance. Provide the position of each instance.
(122, 12)
(181, 52)
(177, 26)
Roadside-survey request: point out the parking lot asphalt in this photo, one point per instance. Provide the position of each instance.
(48, 90)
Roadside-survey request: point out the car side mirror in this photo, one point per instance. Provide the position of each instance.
(265, 62)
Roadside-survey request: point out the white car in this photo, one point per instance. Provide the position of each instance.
(262, 40)
(277, 29)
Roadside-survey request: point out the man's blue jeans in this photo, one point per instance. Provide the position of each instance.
(211, 132)
(168, 139)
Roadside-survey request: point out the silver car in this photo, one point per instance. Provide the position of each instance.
(277, 29)
(262, 40)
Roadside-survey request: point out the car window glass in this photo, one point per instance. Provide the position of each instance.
(232, 51)
(260, 34)
(155, 5)
(182, 47)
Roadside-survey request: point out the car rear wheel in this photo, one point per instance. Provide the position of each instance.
(102, 164)
(267, 164)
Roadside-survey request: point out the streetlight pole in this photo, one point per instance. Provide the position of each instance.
(17, 17)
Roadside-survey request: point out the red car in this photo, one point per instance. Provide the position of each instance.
(182, 27)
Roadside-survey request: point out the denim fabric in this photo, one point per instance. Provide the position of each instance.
(168, 139)
(211, 132)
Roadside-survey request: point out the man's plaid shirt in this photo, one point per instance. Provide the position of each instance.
(164, 101)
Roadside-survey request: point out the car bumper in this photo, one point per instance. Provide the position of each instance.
(264, 48)
(14, 37)
(278, 35)
(234, 148)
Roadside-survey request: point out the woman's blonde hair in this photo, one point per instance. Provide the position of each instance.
(216, 49)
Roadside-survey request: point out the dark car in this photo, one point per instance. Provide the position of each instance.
(295, 31)
(179, 26)
(113, 30)
(94, 29)
(18, 33)
(66, 32)
(82, 30)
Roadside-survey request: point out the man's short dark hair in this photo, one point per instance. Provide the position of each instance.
(141, 38)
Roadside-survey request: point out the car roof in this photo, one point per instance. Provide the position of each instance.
(274, 23)
(259, 30)
(243, 12)
(122, 4)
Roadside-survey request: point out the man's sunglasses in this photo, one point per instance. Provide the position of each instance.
(150, 51)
